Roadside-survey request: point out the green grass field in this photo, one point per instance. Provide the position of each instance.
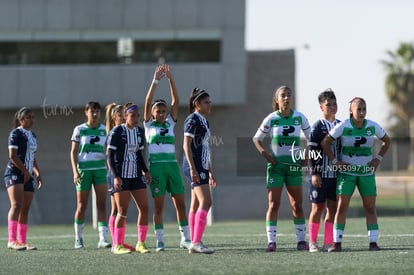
(239, 250)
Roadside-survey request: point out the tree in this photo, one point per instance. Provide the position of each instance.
(399, 86)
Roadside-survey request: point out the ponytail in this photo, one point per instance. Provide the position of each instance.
(110, 111)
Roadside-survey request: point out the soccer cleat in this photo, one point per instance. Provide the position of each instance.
(271, 247)
(313, 247)
(374, 247)
(199, 248)
(159, 246)
(335, 247)
(302, 246)
(185, 244)
(79, 243)
(128, 246)
(141, 248)
(326, 247)
(28, 247)
(104, 244)
(120, 250)
(16, 246)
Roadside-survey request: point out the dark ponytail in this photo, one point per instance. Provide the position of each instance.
(197, 95)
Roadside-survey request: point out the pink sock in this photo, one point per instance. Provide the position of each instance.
(199, 225)
(119, 235)
(328, 236)
(111, 224)
(142, 232)
(21, 232)
(313, 232)
(12, 228)
(191, 220)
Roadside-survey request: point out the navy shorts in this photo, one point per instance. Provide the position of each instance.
(11, 179)
(132, 184)
(326, 192)
(203, 173)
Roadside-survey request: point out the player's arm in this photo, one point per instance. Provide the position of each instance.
(36, 171)
(174, 93)
(74, 161)
(195, 177)
(158, 74)
(385, 144)
(258, 143)
(19, 164)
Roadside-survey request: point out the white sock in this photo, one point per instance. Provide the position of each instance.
(373, 235)
(79, 230)
(300, 232)
(159, 234)
(271, 233)
(103, 232)
(184, 232)
(338, 233)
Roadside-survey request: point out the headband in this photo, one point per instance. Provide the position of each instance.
(131, 108)
(116, 109)
(198, 96)
(158, 102)
(23, 111)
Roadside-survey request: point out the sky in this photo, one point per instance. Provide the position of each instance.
(338, 45)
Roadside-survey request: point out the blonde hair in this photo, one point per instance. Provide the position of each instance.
(280, 89)
(110, 111)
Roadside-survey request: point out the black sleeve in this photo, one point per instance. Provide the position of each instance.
(112, 165)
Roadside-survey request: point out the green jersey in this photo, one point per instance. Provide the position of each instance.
(160, 139)
(91, 141)
(357, 144)
(285, 135)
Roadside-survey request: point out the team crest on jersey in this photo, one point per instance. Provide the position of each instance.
(296, 121)
(203, 175)
(314, 194)
(14, 177)
(368, 132)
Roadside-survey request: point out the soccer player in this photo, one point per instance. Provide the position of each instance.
(127, 166)
(22, 173)
(284, 163)
(322, 179)
(197, 167)
(164, 170)
(356, 168)
(114, 116)
(89, 168)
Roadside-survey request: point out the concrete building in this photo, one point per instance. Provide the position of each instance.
(57, 55)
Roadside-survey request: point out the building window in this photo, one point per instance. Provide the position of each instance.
(104, 52)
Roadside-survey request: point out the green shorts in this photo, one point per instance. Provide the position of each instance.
(91, 177)
(166, 177)
(280, 174)
(346, 185)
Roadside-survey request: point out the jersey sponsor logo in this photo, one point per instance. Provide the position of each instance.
(288, 130)
(94, 139)
(359, 141)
